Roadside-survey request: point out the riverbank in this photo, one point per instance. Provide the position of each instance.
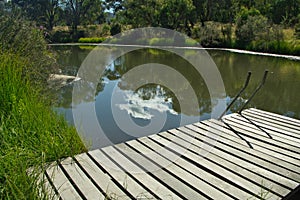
(32, 134)
(286, 43)
(93, 45)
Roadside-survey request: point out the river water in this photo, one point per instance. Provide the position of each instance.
(124, 112)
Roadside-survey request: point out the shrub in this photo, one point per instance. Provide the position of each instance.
(115, 29)
(114, 41)
(27, 40)
(60, 37)
(254, 32)
(190, 42)
(161, 41)
(92, 27)
(226, 30)
(105, 31)
(91, 40)
(297, 31)
(31, 133)
(208, 35)
(249, 22)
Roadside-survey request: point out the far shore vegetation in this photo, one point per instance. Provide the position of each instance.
(271, 26)
(32, 135)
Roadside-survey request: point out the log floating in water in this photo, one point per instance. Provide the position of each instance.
(60, 80)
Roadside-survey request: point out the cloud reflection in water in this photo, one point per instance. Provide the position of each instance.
(137, 107)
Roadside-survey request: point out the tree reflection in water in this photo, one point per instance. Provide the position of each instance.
(280, 94)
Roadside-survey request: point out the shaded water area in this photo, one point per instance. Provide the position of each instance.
(153, 103)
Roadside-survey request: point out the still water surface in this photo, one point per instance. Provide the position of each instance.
(155, 103)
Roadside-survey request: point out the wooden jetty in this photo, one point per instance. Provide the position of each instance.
(255, 155)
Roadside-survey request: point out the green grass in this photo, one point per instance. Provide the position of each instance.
(290, 47)
(31, 134)
(92, 40)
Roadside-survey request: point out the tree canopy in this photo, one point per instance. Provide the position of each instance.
(211, 21)
(174, 14)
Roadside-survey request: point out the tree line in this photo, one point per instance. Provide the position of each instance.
(174, 14)
(214, 22)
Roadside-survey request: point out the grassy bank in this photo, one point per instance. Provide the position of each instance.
(31, 134)
(213, 35)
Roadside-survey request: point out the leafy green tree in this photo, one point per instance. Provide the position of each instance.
(177, 14)
(79, 12)
(285, 11)
(246, 25)
(202, 8)
(44, 12)
(255, 31)
(172, 14)
(221, 11)
(141, 13)
(51, 9)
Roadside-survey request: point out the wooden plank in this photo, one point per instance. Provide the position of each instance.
(44, 185)
(102, 179)
(271, 124)
(126, 181)
(248, 134)
(277, 139)
(270, 161)
(275, 135)
(253, 189)
(271, 150)
(215, 181)
(245, 167)
(177, 169)
(222, 151)
(205, 160)
(277, 116)
(273, 128)
(88, 189)
(163, 174)
(268, 118)
(156, 187)
(50, 192)
(62, 184)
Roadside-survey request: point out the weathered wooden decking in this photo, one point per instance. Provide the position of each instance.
(248, 156)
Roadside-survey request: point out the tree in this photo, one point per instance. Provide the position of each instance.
(177, 14)
(51, 9)
(114, 5)
(44, 12)
(285, 11)
(141, 13)
(172, 14)
(214, 10)
(251, 27)
(81, 12)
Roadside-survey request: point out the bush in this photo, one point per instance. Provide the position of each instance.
(105, 31)
(254, 32)
(91, 40)
(161, 41)
(251, 29)
(115, 29)
(60, 37)
(31, 133)
(297, 31)
(27, 40)
(190, 42)
(208, 35)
